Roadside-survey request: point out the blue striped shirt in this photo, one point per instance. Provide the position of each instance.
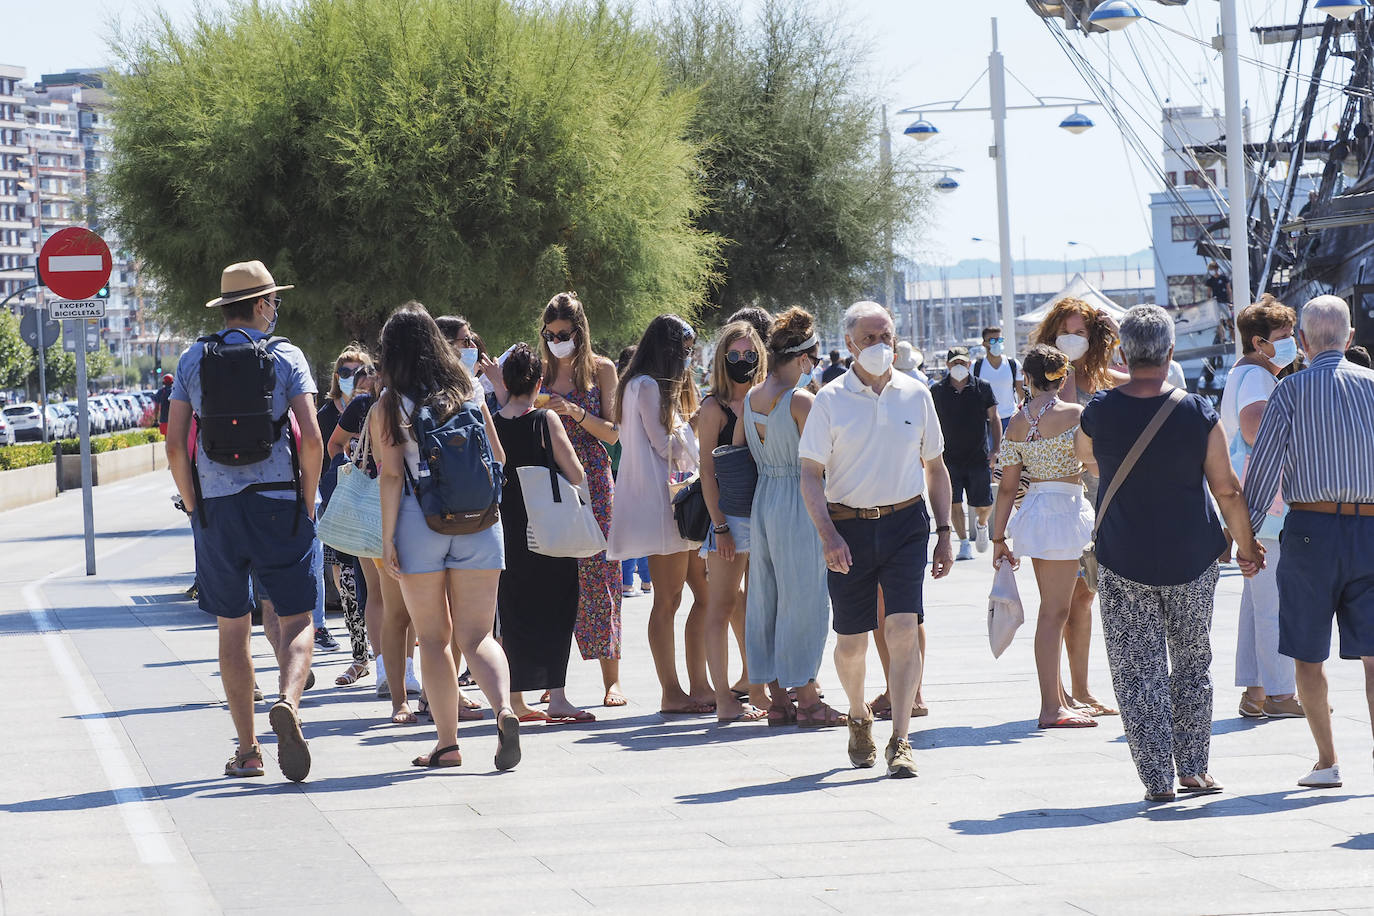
(1318, 430)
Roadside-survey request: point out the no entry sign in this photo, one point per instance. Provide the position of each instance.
(74, 263)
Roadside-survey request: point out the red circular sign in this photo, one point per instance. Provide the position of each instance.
(74, 263)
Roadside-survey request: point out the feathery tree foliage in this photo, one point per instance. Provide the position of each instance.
(16, 357)
(790, 127)
(477, 155)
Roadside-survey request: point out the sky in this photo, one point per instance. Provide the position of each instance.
(1088, 189)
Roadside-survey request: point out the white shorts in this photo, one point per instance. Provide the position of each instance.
(1054, 522)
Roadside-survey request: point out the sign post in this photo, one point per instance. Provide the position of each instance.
(40, 333)
(75, 263)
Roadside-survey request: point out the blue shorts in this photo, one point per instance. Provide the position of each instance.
(420, 549)
(252, 533)
(890, 552)
(739, 530)
(1326, 569)
(973, 478)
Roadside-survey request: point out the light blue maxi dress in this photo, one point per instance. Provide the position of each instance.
(788, 614)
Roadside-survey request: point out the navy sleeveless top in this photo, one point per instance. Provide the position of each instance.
(1162, 527)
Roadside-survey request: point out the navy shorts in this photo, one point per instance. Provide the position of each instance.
(1327, 568)
(971, 478)
(252, 533)
(889, 552)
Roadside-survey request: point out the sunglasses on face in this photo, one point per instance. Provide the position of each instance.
(996, 340)
(561, 336)
(746, 356)
(360, 372)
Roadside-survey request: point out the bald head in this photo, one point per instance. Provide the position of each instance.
(1325, 325)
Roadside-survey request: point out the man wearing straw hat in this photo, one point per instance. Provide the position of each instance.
(251, 499)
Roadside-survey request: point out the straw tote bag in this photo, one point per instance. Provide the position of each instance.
(562, 523)
(352, 522)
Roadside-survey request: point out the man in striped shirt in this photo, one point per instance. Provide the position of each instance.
(1318, 433)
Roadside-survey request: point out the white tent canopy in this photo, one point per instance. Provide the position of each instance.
(1078, 288)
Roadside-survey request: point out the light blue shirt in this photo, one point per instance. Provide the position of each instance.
(293, 378)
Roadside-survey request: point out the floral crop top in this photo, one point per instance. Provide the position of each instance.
(1042, 459)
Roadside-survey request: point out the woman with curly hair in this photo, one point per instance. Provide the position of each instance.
(1088, 337)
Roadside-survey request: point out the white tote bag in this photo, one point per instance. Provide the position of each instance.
(562, 523)
(1005, 613)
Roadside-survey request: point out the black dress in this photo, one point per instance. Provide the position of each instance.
(537, 597)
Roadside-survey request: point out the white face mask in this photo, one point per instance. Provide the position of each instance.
(1072, 346)
(876, 359)
(562, 349)
(958, 372)
(469, 357)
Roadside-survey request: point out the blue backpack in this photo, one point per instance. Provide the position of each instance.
(459, 484)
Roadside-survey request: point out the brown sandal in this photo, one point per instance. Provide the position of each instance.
(820, 716)
(238, 764)
(780, 716)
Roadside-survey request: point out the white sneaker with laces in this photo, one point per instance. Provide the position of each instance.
(1329, 778)
(982, 535)
(965, 550)
(412, 683)
(383, 685)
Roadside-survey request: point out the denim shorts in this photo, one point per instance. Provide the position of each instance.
(739, 530)
(1326, 569)
(420, 549)
(889, 552)
(252, 533)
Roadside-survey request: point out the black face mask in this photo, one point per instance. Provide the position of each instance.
(741, 371)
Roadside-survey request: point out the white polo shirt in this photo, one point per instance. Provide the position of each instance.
(872, 446)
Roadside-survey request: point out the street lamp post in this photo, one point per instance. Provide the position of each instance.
(998, 108)
(35, 189)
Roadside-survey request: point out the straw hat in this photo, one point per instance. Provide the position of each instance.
(245, 280)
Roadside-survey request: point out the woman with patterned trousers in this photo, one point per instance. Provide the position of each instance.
(1157, 544)
(581, 387)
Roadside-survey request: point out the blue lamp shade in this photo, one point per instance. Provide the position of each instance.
(922, 130)
(1076, 123)
(1341, 9)
(945, 185)
(1115, 15)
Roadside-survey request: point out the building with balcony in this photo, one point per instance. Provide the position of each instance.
(16, 247)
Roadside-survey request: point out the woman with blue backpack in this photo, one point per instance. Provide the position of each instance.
(440, 473)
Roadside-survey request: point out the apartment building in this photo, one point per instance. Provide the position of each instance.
(16, 246)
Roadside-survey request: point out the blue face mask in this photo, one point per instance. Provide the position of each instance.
(346, 386)
(1285, 351)
(996, 347)
(468, 355)
(805, 378)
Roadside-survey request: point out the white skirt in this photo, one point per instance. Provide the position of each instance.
(1054, 522)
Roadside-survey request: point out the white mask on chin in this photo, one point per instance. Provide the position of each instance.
(1072, 346)
(876, 359)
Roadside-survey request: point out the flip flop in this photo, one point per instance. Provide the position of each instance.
(750, 713)
(1209, 786)
(535, 715)
(580, 716)
(614, 699)
(404, 718)
(1155, 798)
(1069, 722)
(470, 714)
(691, 709)
(434, 761)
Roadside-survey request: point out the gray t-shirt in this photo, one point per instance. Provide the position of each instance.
(293, 378)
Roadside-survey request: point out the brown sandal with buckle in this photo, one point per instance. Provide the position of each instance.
(820, 716)
(780, 716)
(238, 764)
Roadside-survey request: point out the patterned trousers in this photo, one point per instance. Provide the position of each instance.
(1167, 714)
(353, 614)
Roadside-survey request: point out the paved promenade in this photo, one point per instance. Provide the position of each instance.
(111, 798)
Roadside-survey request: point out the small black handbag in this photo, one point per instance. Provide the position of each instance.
(689, 511)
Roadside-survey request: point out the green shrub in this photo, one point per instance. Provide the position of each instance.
(25, 456)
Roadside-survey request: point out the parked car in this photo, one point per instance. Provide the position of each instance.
(114, 416)
(61, 422)
(6, 434)
(25, 422)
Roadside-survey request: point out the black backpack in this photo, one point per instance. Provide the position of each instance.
(236, 423)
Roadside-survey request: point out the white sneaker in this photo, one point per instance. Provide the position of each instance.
(965, 550)
(383, 685)
(412, 683)
(1329, 778)
(982, 532)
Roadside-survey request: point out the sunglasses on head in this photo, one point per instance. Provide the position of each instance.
(746, 356)
(561, 336)
(361, 371)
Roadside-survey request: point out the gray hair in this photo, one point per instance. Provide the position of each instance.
(861, 310)
(1147, 336)
(1325, 324)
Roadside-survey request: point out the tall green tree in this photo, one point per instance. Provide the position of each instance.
(479, 155)
(16, 357)
(790, 121)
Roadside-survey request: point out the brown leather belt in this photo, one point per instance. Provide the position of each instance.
(1365, 510)
(840, 512)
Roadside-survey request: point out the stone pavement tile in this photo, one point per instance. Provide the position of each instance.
(655, 867)
(300, 887)
(999, 900)
(763, 830)
(612, 837)
(747, 898)
(1166, 898)
(492, 893)
(374, 908)
(806, 855)
(1316, 871)
(527, 796)
(480, 844)
(404, 820)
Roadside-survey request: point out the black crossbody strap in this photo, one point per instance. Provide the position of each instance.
(1128, 463)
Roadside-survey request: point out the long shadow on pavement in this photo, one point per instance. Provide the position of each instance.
(809, 782)
(1223, 806)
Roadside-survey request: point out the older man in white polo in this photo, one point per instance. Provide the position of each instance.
(870, 463)
(1315, 436)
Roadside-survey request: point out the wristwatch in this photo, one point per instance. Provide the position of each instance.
(943, 528)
